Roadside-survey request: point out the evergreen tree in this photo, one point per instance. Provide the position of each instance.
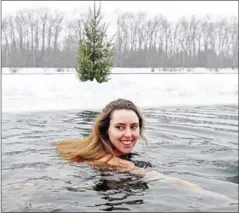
(95, 53)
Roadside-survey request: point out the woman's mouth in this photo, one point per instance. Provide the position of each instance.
(126, 142)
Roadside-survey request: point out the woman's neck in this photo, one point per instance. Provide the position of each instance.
(117, 153)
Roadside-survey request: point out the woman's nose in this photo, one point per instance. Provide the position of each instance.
(127, 132)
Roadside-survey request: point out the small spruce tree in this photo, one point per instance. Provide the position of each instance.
(95, 52)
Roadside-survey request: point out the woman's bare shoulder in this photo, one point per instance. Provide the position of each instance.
(111, 162)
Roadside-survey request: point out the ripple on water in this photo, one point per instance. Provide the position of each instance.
(198, 144)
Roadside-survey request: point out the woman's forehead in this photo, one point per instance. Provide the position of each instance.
(124, 116)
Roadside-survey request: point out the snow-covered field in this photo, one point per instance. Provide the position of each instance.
(116, 70)
(65, 92)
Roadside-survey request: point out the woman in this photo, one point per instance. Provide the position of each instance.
(115, 133)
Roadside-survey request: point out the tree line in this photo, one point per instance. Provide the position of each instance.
(44, 38)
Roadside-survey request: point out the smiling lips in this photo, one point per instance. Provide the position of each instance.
(126, 142)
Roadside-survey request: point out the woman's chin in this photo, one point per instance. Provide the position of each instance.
(121, 152)
(125, 151)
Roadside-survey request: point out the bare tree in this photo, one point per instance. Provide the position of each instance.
(44, 14)
(234, 41)
(41, 37)
(57, 21)
(6, 42)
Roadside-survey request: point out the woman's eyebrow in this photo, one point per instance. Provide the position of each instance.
(125, 124)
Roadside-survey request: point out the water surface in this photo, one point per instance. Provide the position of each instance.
(194, 143)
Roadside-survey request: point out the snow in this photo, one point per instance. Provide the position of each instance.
(170, 70)
(32, 89)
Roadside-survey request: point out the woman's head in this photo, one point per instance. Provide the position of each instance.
(119, 126)
(115, 132)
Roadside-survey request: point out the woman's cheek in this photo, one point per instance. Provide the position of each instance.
(136, 134)
(118, 134)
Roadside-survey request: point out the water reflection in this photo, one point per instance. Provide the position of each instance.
(138, 163)
(117, 192)
(118, 189)
(87, 116)
(200, 142)
(84, 121)
(233, 179)
(124, 184)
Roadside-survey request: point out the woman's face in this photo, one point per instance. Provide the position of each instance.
(123, 131)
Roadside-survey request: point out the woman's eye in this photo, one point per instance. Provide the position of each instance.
(119, 127)
(122, 127)
(134, 127)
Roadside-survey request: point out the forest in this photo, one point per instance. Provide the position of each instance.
(45, 38)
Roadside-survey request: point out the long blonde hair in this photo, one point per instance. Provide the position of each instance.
(97, 145)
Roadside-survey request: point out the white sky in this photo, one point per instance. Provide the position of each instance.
(171, 9)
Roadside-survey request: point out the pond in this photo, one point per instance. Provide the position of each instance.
(193, 141)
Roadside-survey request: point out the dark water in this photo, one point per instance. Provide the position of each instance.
(198, 144)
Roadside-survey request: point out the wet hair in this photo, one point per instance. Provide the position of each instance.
(98, 144)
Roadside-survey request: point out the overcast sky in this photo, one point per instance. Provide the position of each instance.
(171, 9)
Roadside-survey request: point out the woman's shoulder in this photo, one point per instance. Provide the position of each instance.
(111, 162)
